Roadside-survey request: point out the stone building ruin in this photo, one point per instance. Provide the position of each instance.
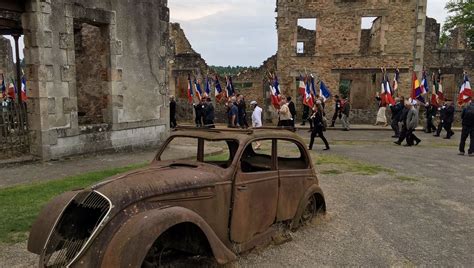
(329, 39)
(97, 72)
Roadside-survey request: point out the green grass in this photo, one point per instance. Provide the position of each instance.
(348, 165)
(19, 205)
(331, 172)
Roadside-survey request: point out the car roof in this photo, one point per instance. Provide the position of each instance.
(242, 135)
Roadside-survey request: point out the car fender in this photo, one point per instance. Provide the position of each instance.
(314, 189)
(45, 221)
(134, 239)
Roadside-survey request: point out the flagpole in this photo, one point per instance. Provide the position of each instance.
(18, 78)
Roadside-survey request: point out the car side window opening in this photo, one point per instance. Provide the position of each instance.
(216, 152)
(220, 153)
(291, 156)
(257, 157)
(180, 148)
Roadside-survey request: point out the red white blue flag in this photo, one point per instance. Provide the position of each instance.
(197, 85)
(190, 90)
(275, 91)
(218, 89)
(424, 84)
(386, 91)
(465, 94)
(308, 97)
(230, 90)
(208, 87)
(324, 91)
(24, 97)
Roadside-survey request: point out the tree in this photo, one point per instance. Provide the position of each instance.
(461, 15)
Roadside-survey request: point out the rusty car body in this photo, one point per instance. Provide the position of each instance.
(204, 200)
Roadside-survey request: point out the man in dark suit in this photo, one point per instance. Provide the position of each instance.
(442, 117)
(397, 110)
(172, 112)
(431, 111)
(467, 128)
(403, 121)
(292, 107)
(449, 119)
(337, 110)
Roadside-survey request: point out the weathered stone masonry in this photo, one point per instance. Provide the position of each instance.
(124, 89)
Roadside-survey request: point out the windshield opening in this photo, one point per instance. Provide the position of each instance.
(216, 152)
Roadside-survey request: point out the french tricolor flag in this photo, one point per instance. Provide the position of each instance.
(197, 84)
(275, 92)
(324, 91)
(465, 94)
(218, 89)
(308, 98)
(190, 90)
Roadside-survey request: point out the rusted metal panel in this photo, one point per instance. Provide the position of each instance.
(144, 228)
(46, 220)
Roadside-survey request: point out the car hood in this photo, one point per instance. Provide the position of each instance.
(155, 180)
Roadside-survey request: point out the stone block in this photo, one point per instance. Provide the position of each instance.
(72, 89)
(71, 57)
(116, 75)
(69, 105)
(116, 47)
(47, 39)
(117, 101)
(51, 105)
(66, 41)
(53, 137)
(68, 73)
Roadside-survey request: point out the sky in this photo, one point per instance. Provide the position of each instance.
(238, 32)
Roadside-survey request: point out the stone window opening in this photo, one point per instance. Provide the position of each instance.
(306, 37)
(92, 58)
(370, 35)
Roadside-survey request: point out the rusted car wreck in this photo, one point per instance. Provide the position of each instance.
(207, 193)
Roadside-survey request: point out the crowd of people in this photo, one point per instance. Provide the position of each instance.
(405, 117)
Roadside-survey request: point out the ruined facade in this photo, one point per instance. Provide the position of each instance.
(344, 52)
(6, 58)
(97, 73)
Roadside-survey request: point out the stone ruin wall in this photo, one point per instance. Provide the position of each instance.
(338, 47)
(130, 85)
(7, 67)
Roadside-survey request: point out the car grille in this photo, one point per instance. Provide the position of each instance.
(76, 226)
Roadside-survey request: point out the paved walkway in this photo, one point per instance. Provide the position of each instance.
(43, 171)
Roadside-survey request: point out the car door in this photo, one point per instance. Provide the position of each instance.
(255, 191)
(295, 175)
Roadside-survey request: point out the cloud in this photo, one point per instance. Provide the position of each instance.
(240, 32)
(243, 33)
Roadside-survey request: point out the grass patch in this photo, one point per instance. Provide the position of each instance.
(406, 178)
(19, 205)
(349, 165)
(331, 172)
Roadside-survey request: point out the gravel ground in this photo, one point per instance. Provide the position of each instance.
(421, 216)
